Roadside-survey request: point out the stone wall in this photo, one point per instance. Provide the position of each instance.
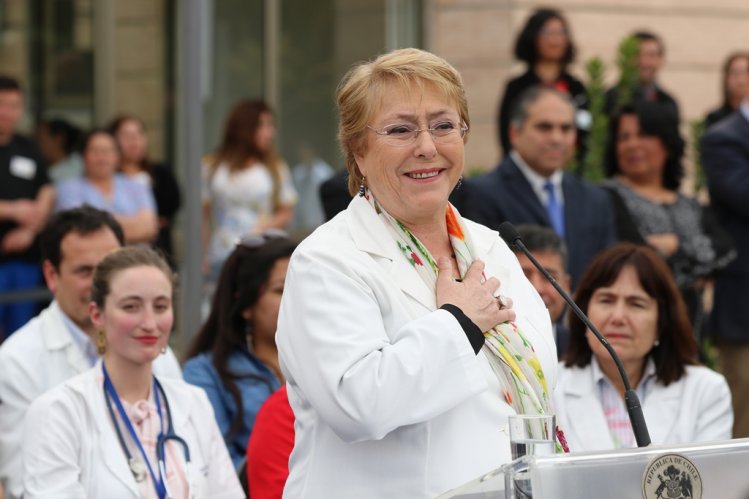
(139, 66)
(477, 36)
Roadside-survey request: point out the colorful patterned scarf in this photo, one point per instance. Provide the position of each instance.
(510, 353)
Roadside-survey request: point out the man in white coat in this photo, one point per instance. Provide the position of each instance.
(58, 343)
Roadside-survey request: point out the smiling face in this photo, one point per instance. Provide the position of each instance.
(627, 316)
(413, 180)
(71, 282)
(101, 156)
(640, 157)
(137, 316)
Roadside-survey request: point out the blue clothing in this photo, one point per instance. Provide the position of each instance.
(256, 383)
(505, 194)
(129, 196)
(17, 275)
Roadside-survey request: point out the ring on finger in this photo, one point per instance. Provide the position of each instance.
(502, 301)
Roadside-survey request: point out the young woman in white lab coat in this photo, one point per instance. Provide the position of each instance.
(116, 431)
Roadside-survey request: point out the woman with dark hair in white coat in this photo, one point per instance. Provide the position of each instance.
(116, 431)
(630, 295)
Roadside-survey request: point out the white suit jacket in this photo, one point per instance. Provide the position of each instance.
(389, 397)
(37, 357)
(71, 450)
(696, 408)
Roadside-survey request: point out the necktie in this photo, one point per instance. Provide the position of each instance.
(554, 209)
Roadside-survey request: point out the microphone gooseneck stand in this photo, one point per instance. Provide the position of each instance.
(634, 409)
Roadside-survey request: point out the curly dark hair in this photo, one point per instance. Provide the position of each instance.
(656, 120)
(526, 45)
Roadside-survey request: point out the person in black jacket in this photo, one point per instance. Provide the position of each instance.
(725, 158)
(133, 143)
(545, 45)
(651, 51)
(26, 199)
(735, 87)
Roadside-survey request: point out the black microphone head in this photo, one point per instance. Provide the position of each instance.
(509, 233)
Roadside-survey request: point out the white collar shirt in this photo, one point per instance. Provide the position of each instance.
(80, 339)
(614, 408)
(538, 181)
(744, 108)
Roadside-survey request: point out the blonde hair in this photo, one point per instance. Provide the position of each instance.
(362, 89)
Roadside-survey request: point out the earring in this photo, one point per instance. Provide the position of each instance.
(101, 342)
(657, 342)
(460, 183)
(362, 190)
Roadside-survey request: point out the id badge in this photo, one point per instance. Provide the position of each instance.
(22, 167)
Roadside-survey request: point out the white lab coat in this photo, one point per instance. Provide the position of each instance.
(71, 450)
(389, 397)
(696, 408)
(37, 357)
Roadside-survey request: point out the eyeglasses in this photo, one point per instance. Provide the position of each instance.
(252, 241)
(403, 134)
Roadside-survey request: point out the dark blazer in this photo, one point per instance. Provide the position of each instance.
(517, 86)
(661, 97)
(505, 194)
(718, 114)
(725, 159)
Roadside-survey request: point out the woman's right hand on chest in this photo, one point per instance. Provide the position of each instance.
(475, 298)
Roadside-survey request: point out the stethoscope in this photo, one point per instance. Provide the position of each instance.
(137, 467)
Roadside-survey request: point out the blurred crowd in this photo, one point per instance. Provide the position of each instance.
(633, 248)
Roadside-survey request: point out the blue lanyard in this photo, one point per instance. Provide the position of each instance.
(158, 482)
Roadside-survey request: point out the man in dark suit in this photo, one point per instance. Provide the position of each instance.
(549, 250)
(650, 57)
(725, 157)
(530, 186)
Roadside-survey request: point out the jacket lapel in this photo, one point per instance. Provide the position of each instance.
(662, 410)
(588, 426)
(522, 195)
(57, 337)
(112, 453)
(371, 235)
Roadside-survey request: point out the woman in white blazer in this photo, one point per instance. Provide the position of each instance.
(630, 295)
(386, 308)
(101, 433)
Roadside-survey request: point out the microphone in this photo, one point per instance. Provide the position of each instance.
(634, 409)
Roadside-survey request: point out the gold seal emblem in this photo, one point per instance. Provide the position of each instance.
(671, 476)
